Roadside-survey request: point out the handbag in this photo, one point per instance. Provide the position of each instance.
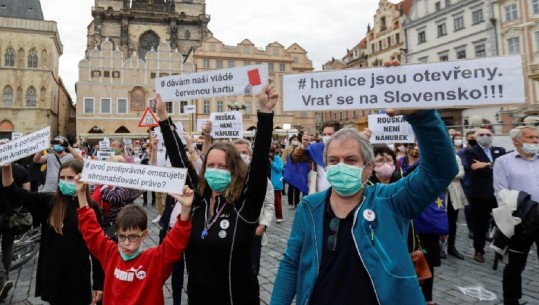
(418, 258)
(20, 222)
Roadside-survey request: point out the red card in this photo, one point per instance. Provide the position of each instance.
(254, 77)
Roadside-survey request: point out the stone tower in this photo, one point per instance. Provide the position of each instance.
(138, 26)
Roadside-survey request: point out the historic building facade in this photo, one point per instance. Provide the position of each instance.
(33, 95)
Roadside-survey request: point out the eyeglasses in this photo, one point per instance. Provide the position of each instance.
(484, 134)
(332, 239)
(130, 237)
(382, 160)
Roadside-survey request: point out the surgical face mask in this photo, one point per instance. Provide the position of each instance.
(246, 158)
(325, 139)
(345, 179)
(530, 148)
(116, 151)
(401, 148)
(218, 179)
(384, 171)
(295, 142)
(67, 188)
(457, 142)
(126, 257)
(484, 140)
(58, 148)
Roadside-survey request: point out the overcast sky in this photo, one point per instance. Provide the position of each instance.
(325, 29)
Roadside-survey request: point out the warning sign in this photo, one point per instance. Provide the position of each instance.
(148, 119)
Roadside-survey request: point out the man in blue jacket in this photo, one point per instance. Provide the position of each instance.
(348, 244)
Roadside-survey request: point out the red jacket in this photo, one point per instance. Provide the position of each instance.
(140, 280)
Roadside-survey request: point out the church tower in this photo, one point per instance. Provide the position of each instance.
(138, 26)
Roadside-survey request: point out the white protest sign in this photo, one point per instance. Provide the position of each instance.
(104, 145)
(135, 176)
(200, 124)
(189, 109)
(25, 146)
(128, 143)
(16, 135)
(225, 82)
(227, 125)
(389, 130)
(486, 81)
(104, 155)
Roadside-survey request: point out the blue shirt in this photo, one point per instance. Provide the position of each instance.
(512, 171)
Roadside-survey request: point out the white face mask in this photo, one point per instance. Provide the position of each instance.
(401, 148)
(457, 142)
(530, 148)
(246, 158)
(295, 142)
(325, 139)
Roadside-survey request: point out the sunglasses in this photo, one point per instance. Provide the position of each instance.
(130, 237)
(332, 239)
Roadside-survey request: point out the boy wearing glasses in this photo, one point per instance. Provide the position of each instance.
(134, 276)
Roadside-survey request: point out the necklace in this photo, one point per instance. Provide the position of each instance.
(215, 217)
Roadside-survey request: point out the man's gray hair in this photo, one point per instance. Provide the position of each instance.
(517, 131)
(350, 134)
(245, 141)
(120, 141)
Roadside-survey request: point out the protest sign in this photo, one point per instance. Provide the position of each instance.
(104, 155)
(104, 145)
(25, 146)
(16, 135)
(135, 176)
(227, 125)
(148, 119)
(128, 143)
(389, 130)
(485, 81)
(189, 109)
(201, 123)
(225, 82)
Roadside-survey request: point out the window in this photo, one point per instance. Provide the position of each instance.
(147, 42)
(219, 64)
(106, 73)
(444, 57)
(270, 67)
(459, 23)
(422, 37)
(170, 107)
(388, 42)
(442, 31)
(248, 107)
(295, 59)
(231, 64)
(282, 68)
(121, 106)
(105, 105)
(246, 49)
(246, 63)
(477, 16)
(7, 96)
(380, 45)
(276, 52)
(480, 51)
(9, 58)
(397, 38)
(212, 47)
(511, 12)
(32, 59)
(206, 63)
(354, 114)
(373, 48)
(31, 97)
(437, 6)
(182, 105)
(116, 74)
(513, 45)
(88, 105)
(206, 106)
(153, 75)
(535, 5)
(220, 106)
(423, 59)
(461, 54)
(187, 34)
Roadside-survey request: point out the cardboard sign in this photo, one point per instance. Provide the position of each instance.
(390, 130)
(227, 125)
(25, 146)
(104, 155)
(485, 81)
(16, 135)
(189, 109)
(148, 119)
(225, 82)
(104, 145)
(135, 176)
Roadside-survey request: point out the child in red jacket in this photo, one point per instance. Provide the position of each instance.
(134, 276)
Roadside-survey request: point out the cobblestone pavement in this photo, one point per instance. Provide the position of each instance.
(449, 278)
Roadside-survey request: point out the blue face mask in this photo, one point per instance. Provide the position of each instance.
(126, 257)
(58, 148)
(67, 188)
(218, 179)
(345, 179)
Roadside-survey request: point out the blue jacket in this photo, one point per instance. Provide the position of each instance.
(277, 168)
(386, 259)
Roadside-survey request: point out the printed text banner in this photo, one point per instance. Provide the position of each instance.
(25, 146)
(486, 81)
(235, 81)
(390, 130)
(135, 176)
(227, 125)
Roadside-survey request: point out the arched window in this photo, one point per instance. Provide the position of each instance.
(9, 58)
(31, 97)
(7, 96)
(147, 41)
(187, 34)
(32, 59)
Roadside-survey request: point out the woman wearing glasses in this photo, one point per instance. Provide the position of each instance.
(64, 273)
(226, 209)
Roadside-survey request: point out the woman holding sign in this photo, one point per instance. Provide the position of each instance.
(226, 209)
(64, 272)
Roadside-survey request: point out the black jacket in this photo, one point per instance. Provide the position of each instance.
(481, 180)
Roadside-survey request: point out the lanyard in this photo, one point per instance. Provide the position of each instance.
(215, 217)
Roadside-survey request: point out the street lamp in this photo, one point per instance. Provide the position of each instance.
(236, 106)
